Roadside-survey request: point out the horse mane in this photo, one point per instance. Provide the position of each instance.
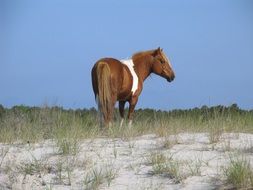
(142, 53)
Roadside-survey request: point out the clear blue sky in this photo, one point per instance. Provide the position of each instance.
(47, 49)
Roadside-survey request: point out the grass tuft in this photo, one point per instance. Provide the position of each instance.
(239, 173)
(165, 166)
(68, 146)
(98, 176)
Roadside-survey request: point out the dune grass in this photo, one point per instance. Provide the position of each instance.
(31, 124)
(98, 176)
(68, 128)
(165, 165)
(239, 173)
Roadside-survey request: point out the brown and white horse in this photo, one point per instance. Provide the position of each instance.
(122, 80)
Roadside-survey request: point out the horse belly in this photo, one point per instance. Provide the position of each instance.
(124, 95)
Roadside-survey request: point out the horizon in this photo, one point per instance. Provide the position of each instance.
(49, 48)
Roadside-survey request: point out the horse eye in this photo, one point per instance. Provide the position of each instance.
(162, 61)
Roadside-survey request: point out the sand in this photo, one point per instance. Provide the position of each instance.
(114, 164)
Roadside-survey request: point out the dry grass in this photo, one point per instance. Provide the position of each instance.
(68, 146)
(98, 176)
(27, 124)
(239, 173)
(164, 165)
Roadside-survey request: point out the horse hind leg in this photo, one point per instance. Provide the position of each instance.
(121, 111)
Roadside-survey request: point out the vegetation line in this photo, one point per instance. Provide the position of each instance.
(31, 124)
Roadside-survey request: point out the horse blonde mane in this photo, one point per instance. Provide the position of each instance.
(142, 53)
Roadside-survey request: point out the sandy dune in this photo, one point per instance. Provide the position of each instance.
(104, 163)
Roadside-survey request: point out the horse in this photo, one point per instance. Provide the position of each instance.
(122, 80)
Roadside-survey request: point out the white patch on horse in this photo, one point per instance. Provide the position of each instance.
(129, 63)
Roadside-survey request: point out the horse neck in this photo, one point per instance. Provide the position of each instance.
(142, 66)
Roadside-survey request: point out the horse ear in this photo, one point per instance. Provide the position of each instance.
(156, 52)
(160, 49)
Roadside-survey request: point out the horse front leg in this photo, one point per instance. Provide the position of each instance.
(132, 104)
(121, 111)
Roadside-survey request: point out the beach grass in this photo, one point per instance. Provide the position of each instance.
(32, 124)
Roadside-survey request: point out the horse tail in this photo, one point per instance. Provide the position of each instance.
(104, 90)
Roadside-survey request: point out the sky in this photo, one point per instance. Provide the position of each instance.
(47, 50)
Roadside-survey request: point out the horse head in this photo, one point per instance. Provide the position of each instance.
(161, 65)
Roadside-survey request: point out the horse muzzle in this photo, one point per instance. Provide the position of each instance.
(170, 79)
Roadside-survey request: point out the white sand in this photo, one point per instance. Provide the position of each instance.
(200, 163)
